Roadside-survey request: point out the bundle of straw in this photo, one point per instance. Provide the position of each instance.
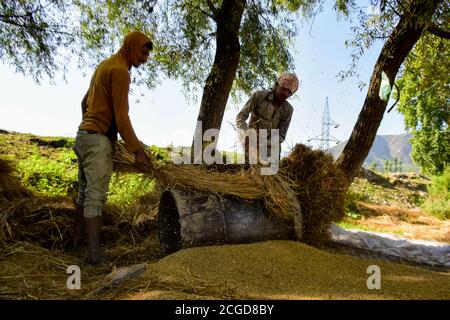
(320, 189)
(240, 184)
(278, 197)
(307, 182)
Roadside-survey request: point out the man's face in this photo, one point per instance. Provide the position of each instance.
(142, 56)
(282, 93)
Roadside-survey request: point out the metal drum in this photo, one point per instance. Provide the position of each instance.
(188, 218)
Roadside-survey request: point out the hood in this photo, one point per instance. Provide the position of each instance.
(131, 47)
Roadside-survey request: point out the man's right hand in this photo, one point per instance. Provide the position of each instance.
(142, 161)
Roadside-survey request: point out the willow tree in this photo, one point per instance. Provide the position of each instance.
(401, 23)
(34, 34)
(220, 46)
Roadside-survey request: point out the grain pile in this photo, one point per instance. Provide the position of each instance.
(277, 270)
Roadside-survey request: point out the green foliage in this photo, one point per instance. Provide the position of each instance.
(415, 199)
(344, 7)
(126, 188)
(54, 172)
(266, 36)
(32, 34)
(438, 202)
(425, 102)
(39, 37)
(387, 165)
(49, 177)
(351, 206)
(187, 30)
(161, 154)
(391, 165)
(373, 166)
(58, 177)
(103, 25)
(376, 22)
(395, 165)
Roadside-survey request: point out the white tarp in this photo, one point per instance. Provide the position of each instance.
(427, 252)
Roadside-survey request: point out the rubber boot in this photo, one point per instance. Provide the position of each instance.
(78, 227)
(93, 230)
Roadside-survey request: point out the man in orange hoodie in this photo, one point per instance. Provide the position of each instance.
(105, 113)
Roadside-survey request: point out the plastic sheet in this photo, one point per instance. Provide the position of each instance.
(421, 251)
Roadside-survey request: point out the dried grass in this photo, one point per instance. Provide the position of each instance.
(320, 188)
(10, 188)
(308, 182)
(274, 190)
(36, 241)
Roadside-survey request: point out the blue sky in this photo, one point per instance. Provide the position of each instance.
(163, 116)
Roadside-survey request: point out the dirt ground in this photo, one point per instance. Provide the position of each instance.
(409, 223)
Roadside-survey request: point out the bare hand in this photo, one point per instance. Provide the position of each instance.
(142, 161)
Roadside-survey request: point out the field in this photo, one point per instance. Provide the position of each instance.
(37, 208)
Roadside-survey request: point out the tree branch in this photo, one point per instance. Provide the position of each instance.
(395, 11)
(56, 29)
(433, 29)
(213, 9)
(208, 14)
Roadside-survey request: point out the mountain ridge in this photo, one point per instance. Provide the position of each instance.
(385, 147)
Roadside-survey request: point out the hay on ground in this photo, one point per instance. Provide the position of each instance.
(48, 221)
(10, 188)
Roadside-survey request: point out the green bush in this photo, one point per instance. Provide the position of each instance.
(47, 176)
(59, 177)
(351, 207)
(438, 202)
(124, 189)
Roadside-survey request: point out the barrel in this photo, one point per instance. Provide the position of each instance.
(189, 218)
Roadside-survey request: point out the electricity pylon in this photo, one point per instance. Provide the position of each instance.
(325, 137)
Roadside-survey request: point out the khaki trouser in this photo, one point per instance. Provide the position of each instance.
(94, 153)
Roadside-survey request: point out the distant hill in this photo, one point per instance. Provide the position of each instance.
(385, 147)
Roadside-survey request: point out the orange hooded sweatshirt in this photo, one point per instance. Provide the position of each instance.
(107, 97)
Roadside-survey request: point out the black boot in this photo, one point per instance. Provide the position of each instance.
(93, 230)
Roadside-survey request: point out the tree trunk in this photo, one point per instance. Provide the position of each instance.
(394, 52)
(226, 61)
